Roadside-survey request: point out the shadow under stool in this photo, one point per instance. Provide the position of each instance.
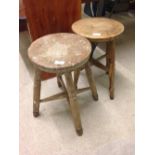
(99, 30)
(62, 53)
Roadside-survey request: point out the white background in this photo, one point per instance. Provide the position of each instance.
(145, 77)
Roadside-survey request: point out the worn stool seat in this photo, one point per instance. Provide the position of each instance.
(99, 29)
(59, 52)
(62, 53)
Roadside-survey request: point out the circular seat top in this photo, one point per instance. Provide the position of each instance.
(98, 29)
(59, 52)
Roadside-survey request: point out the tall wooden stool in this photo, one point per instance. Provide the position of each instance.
(101, 30)
(62, 53)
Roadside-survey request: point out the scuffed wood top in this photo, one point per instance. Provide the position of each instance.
(98, 29)
(59, 52)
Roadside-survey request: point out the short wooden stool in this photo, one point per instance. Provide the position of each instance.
(101, 30)
(62, 53)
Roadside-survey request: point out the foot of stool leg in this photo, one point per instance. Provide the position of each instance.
(36, 93)
(79, 132)
(111, 96)
(111, 92)
(73, 102)
(95, 97)
(35, 114)
(91, 82)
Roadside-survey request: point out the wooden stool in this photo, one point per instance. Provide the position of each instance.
(62, 53)
(101, 30)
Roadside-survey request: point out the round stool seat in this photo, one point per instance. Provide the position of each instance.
(98, 29)
(59, 52)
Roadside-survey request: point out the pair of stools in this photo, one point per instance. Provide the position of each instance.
(66, 54)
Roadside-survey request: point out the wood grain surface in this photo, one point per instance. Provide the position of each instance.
(98, 29)
(59, 51)
(50, 16)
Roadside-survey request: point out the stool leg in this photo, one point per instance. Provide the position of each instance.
(91, 81)
(107, 59)
(36, 93)
(58, 81)
(76, 77)
(73, 103)
(93, 49)
(111, 61)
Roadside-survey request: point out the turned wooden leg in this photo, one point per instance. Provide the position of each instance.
(107, 58)
(73, 103)
(76, 77)
(91, 81)
(58, 81)
(111, 53)
(36, 93)
(93, 49)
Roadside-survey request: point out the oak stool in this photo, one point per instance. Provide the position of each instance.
(99, 29)
(62, 53)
